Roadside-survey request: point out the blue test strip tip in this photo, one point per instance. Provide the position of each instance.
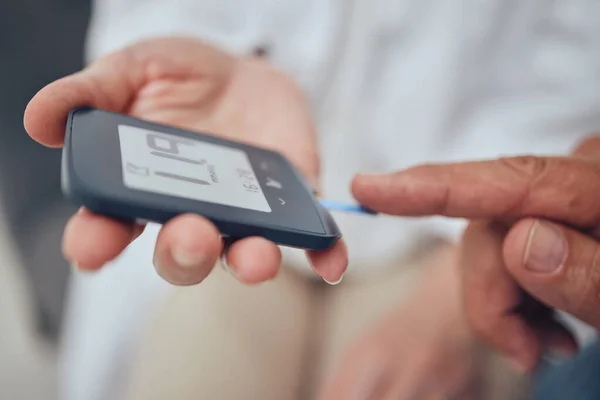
(345, 207)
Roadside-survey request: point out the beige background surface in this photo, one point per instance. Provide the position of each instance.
(27, 366)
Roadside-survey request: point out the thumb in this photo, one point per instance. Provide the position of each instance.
(557, 265)
(109, 84)
(112, 82)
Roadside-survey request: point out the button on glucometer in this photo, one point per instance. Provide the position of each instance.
(281, 201)
(273, 183)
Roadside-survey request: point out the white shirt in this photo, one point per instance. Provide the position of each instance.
(393, 83)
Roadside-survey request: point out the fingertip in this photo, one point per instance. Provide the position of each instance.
(45, 115)
(27, 115)
(330, 264)
(192, 233)
(32, 107)
(356, 184)
(254, 260)
(91, 240)
(186, 249)
(366, 187)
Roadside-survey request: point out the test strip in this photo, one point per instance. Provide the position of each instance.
(346, 207)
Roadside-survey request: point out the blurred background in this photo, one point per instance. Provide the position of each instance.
(40, 41)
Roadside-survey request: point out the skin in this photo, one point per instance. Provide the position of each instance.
(513, 274)
(422, 349)
(185, 83)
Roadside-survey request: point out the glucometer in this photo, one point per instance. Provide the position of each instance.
(131, 169)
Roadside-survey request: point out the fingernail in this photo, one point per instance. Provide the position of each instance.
(546, 248)
(336, 282)
(228, 267)
(185, 258)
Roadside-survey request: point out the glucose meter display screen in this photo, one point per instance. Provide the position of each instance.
(177, 166)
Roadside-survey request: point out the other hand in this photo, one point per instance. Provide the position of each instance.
(421, 350)
(532, 244)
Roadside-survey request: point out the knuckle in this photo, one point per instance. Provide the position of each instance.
(548, 184)
(527, 167)
(525, 172)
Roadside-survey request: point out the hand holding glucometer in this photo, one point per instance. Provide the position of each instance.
(128, 169)
(199, 186)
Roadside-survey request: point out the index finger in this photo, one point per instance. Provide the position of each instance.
(558, 188)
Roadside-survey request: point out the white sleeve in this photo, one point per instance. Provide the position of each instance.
(233, 25)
